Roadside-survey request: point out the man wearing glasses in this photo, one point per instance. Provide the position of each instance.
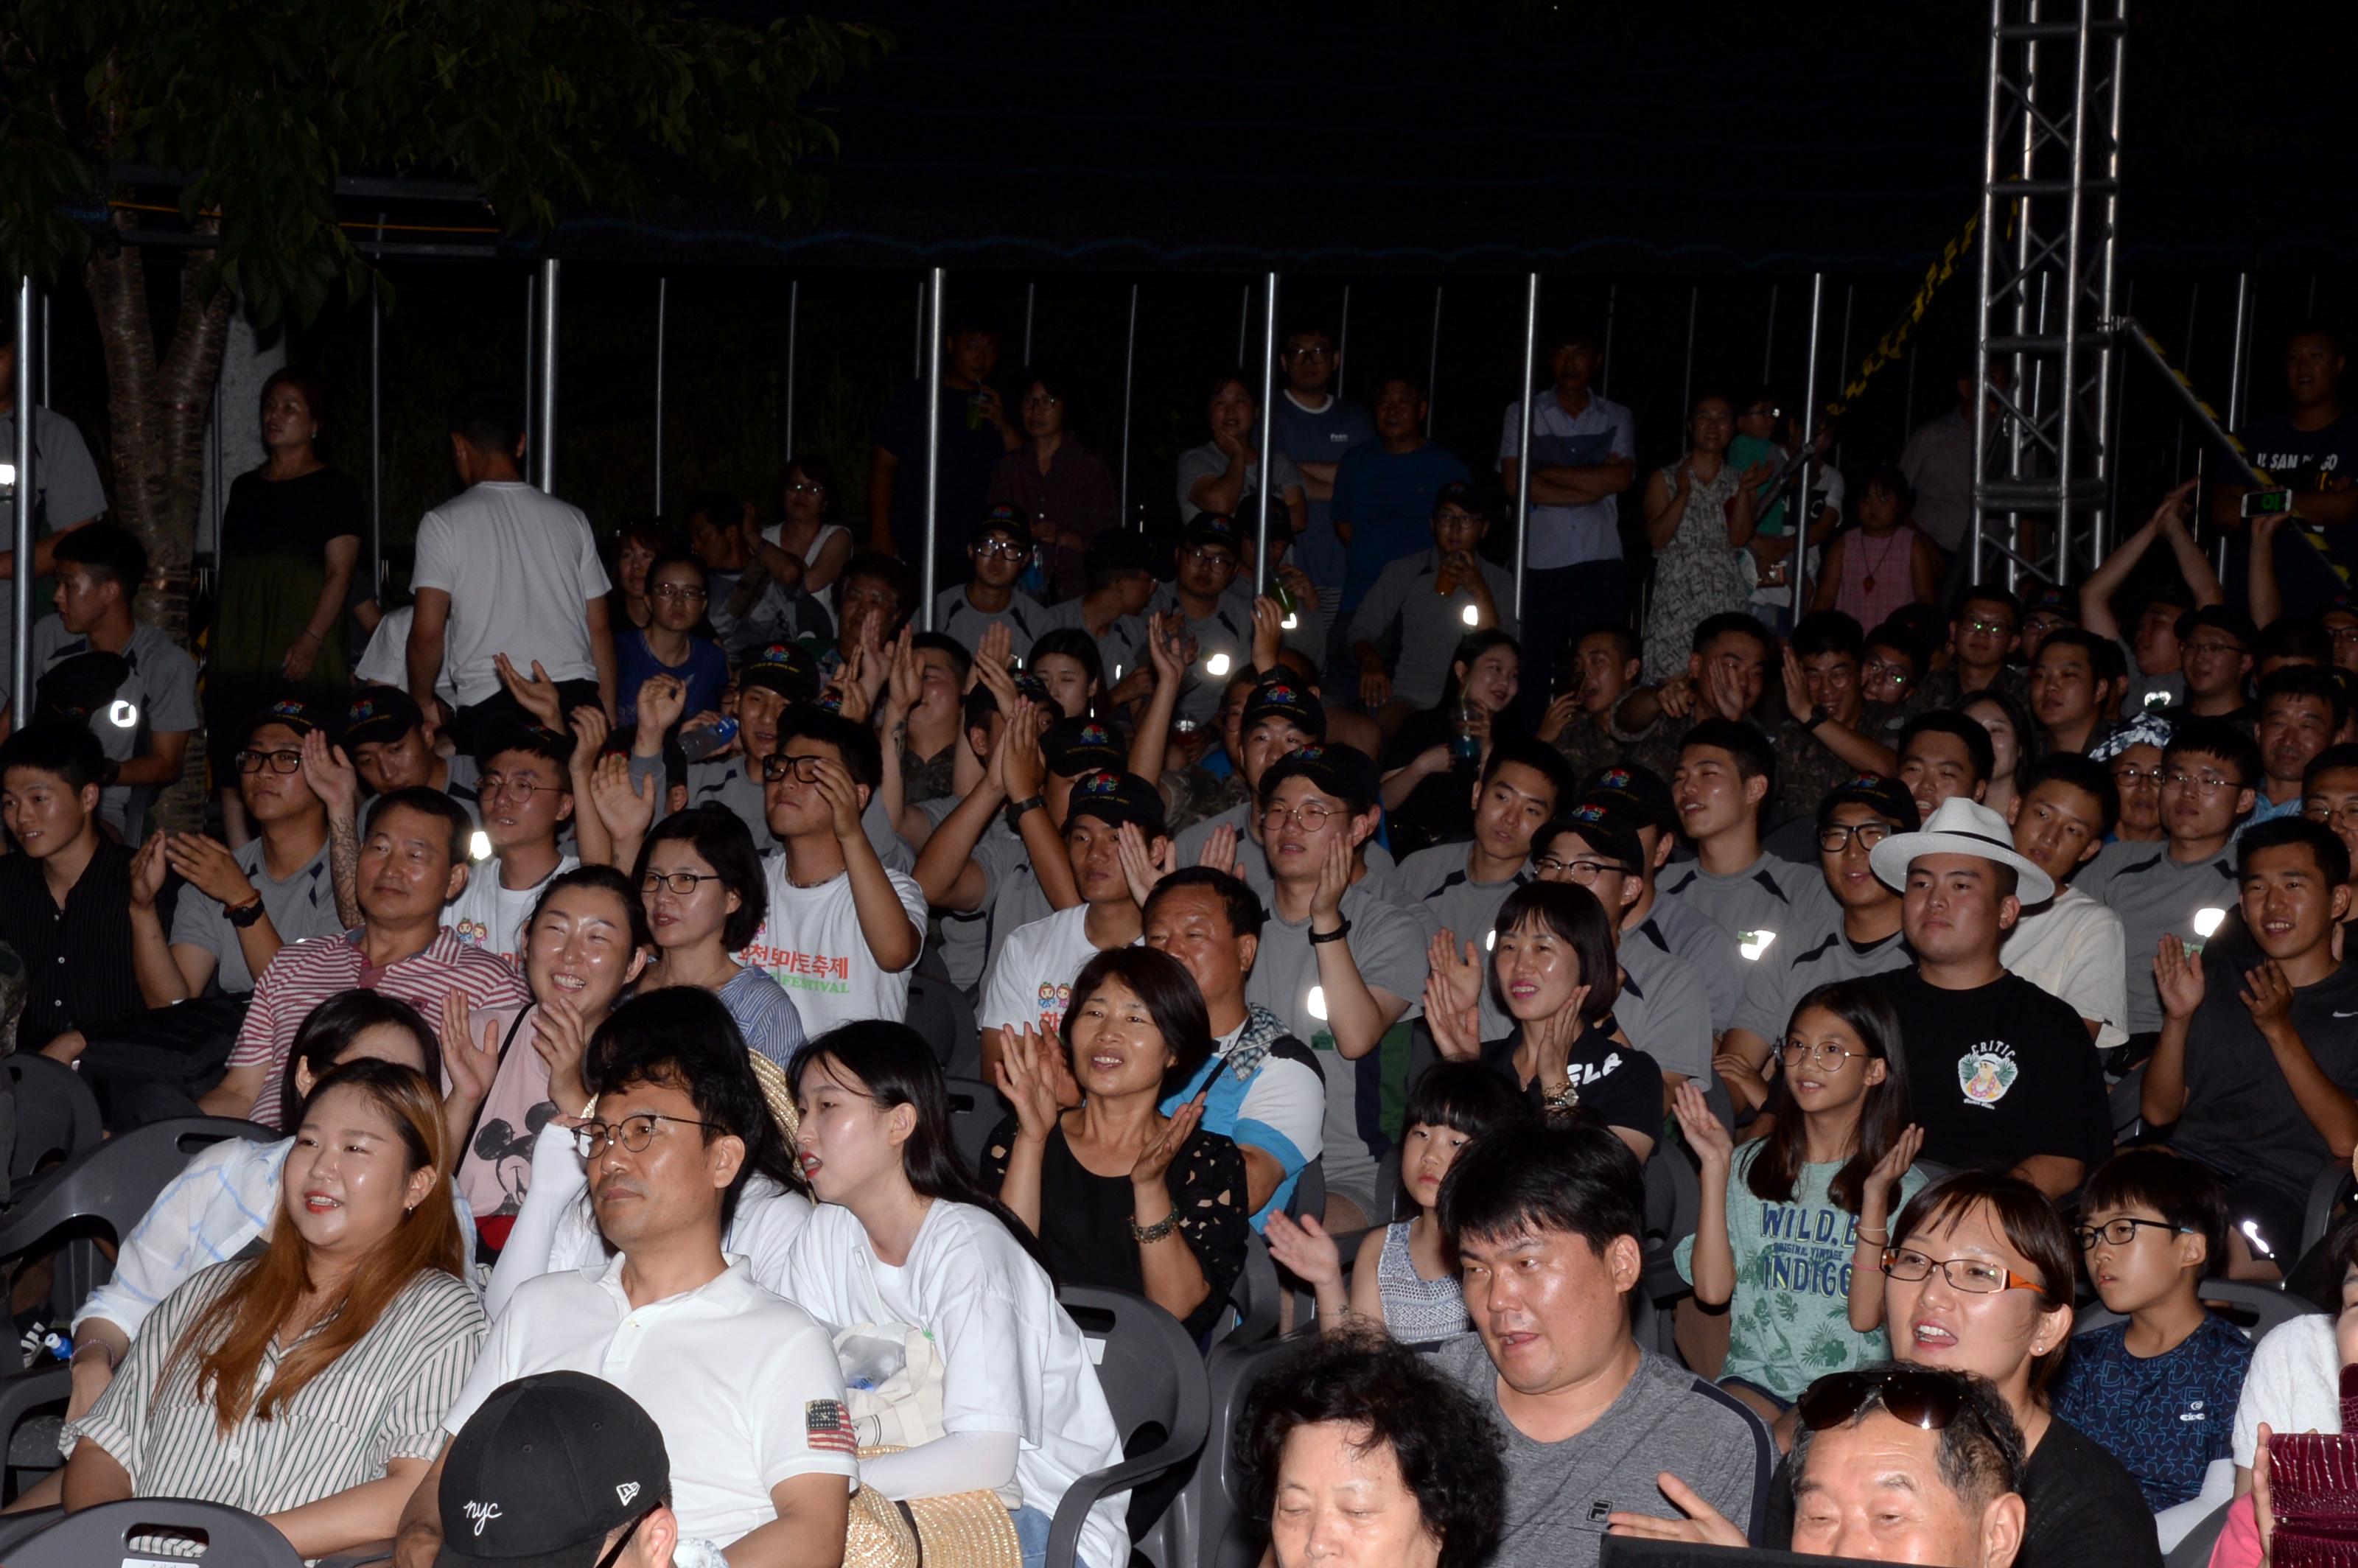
(999, 551)
(2214, 646)
(1982, 639)
(1218, 609)
(526, 789)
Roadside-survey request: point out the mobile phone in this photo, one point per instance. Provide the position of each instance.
(2267, 503)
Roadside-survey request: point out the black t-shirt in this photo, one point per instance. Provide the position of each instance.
(969, 457)
(2241, 1117)
(2323, 458)
(1619, 1085)
(1440, 810)
(2000, 1073)
(290, 519)
(2080, 1508)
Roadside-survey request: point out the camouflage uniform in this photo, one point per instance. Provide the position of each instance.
(930, 778)
(1587, 745)
(1938, 689)
(1193, 793)
(1806, 770)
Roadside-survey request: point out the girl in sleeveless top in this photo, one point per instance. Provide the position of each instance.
(1883, 564)
(1405, 1275)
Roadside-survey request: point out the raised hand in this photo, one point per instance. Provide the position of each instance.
(1457, 1031)
(1702, 1523)
(469, 1064)
(904, 680)
(1796, 685)
(1558, 718)
(1334, 877)
(2178, 974)
(1165, 647)
(627, 813)
(1023, 768)
(2267, 996)
(1305, 1248)
(1883, 1181)
(1219, 851)
(207, 865)
(836, 787)
(1028, 1082)
(1552, 1039)
(332, 776)
(1457, 972)
(1676, 697)
(1155, 1158)
(853, 687)
(2177, 507)
(662, 700)
(148, 871)
(992, 652)
(537, 692)
(561, 1037)
(1713, 1144)
(1141, 868)
(1268, 631)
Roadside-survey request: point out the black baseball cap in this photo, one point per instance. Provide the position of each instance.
(2054, 601)
(1467, 498)
(1120, 550)
(1073, 747)
(292, 712)
(1886, 797)
(75, 688)
(1280, 696)
(1003, 519)
(1639, 791)
(786, 668)
(1344, 771)
(2237, 626)
(1116, 798)
(1610, 833)
(376, 714)
(1216, 528)
(545, 1470)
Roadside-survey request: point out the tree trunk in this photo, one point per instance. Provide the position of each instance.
(156, 412)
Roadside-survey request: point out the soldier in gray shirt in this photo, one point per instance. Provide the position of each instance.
(1435, 598)
(1726, 773)
(1547, 1228)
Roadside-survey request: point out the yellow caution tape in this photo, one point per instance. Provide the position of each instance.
(1887, 351)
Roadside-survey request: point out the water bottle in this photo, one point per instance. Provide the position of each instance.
(699, 745)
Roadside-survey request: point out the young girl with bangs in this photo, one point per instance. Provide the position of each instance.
(1791, 1226)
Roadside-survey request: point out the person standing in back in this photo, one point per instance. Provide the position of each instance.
(505, 569)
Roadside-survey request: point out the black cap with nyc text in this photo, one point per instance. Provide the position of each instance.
(545, 1470)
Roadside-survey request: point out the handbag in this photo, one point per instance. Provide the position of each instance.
(2313, 1489)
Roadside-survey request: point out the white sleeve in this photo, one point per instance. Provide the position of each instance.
(496, 1365)
(801, 1380)
(958, 1462)
(594, 582)
(1288, 1101)
(2290, 1386)
(1004, 1002)
(912, 903)
(2095, 979)
(437, 556)
(552, 1230)
(157, 1256)
(764, 1232)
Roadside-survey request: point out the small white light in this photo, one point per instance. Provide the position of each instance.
(1292, 622)
(1117, 672)
(1318, 1003)
(480, 847)
(7, 475)
(1473, 615)
(1752, 943)
(2206, 921)
(1216, 666)
(123, 714)
(1490, 943)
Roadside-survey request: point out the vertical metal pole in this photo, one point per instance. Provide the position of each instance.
(2241, 364)
(1262, 574)
(917, 348)
(1031, 296)
(1531, 398)
(1800, 516)
(1244, 323)
(1769, 338)
(663, 311)
(1986, 255)
(1129, 370)
(794, 332)
(2100, 518)
(2018, 438)
(544, 433)
(22, 587)
(933, 373)
(1342, 343)
(1686, 382)
(2069, 433)
(1605, 369)
(1433, 366)
(1842, 360)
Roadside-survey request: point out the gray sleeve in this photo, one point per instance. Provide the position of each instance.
(70, 488)
(198, 922)
(1678, 1036)
(172, 693)
(1383, 603)
(1284, 471)
(1193, 466)
(1387, 944)
(883, 838)
(1502, 594)
(1764, 1009)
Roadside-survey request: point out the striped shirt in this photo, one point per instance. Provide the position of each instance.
(764, 1014)
(308, 973)
(383, 1399)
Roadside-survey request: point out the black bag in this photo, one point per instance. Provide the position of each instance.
(152, 1066)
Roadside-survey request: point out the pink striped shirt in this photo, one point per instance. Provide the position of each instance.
(308, 972)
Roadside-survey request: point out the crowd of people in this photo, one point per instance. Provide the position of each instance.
(597, 944)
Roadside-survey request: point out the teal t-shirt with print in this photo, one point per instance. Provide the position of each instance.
(1788, 1324)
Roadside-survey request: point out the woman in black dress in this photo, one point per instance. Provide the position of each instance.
(290, 542)
(1431, 763)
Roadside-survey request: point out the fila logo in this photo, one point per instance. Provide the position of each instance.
(626, 1491)
(482, 1513)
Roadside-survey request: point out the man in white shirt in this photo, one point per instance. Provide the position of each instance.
(743, 1384)
(2071, 948)
(503, 568)
(526, 788)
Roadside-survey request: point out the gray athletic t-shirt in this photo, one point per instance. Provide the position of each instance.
(2155, 895)
(302, 905)
(1770, 894)
(1777, 983)
(1676, 928)
(1559, 1495)
(1435, 886)
(1665, 1011)
(1253, 860)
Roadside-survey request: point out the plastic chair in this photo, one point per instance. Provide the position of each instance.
(1255, 1297)
(56, 1119)
(1155, 1383)
(938, 1012)
(2253, 1308)
(1211, 1510)
(975, 1110)
(2193, 1549)
(360, 1556)
(2333, 1185)
(1309, 1194)
(103, 1535)
(1673, 1209)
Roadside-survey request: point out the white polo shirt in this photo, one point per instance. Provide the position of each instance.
(2075, 949)
(739, 1381)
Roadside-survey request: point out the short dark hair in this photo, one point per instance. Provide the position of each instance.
(1754, 757)
(1625, 641)
(1163, 984)
(1384, 1394)
(328, 1030)
(1072, 642)
(2284, 832)
(2306, 680)
(1541, 758)
(54, 746)
(1245, 912)
(2025, 1218)
(533, 742)
(1892, 481)
(488, 418)
(108, 553)
(1714, 627)
(875, 567)
(1464, 1096)
(309, 383)
(718, 508)
(1218, 380)
(2183, 1192)
(2295, 637)
(1573, 1174)
(722, 842)
(428, 801)
(949, 647)
(1989, 593)
(2104, 657)
(1573, 914)
(1829, 632)
(2216, 739)
(602, 879)
(2344, 756)
(1978, 1459)
(1949, 721)
(2082, 773)
(855, 744)
(681, 1037)
(670, 557)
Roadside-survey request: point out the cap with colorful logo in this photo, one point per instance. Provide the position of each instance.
(1077, 746)
(1886, 797)
(292, 712)
(1344, 771)
(786, 668)
(1281, 696)
(1116, 798)
(1609, 834)
(1216, 528)
(376, 715)
(1010, 521)
(1635, 789)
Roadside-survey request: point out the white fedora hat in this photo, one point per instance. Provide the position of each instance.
(1960, 826)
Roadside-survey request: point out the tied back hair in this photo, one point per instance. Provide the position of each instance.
(1882, 1112)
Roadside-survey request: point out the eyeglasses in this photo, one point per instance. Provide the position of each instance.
(2137, 778)
(774, 769)
(1835, 840)
(806, 487)
(1311, 352)
(1000, 550)
(1581, 871)
(2344, 636)
(1924, 1399)
(682, 591)
(683, 885)
(1995, 628)
(2211, 646)
(1883, 669)
(1312, 814)
(493, 785)
(1210, 556)
(1968, 1275)
(1825, 1058)
(278, 761)
(1043, 403)
(2122, 1231)
(633, 1132)
(2201, 783)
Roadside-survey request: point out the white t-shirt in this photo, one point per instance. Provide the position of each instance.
(1011, 1361)
(738, 1381)
(2295, 1384)
(386, 660)
(491, 917)
(811, 945)
(2075, 949)
(519, 567)
(1030, 982)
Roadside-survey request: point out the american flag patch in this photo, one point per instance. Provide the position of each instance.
(827, 1426)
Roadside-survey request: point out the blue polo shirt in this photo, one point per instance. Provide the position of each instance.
(1387, 500)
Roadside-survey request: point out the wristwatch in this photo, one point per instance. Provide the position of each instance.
(244, 915)
(1819, 715)
(1017, 808)
(1317, 937)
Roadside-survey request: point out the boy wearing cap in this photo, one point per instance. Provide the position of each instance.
(2153, 653)
(1118, 584)
(65, 893)
(526, 786)
(1638, 797)
(561, 1470)
(2256, 1067)
(1217, 611)
(2184, 885)
(2215, 647)
(2071, 946)
(997, 552)
(2302, 711)
(2000, 1072)
(143, 727)
(2076, 681)
(2047, 611)
(1031, 977)
(1426, 603)
(1337, 965)
(1724, 774)
(392, 747)
(1854, 816)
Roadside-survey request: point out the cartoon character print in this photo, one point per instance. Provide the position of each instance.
(1987, 1071)
(509, 1155)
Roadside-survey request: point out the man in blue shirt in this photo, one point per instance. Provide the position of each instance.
(1584, 454)
(1315, 429)
(1384, 492)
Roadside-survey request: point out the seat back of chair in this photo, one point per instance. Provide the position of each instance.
(1256, 1297)
(2254, 1309)
(103, 1535)
(57, 1117)
(1154, 1383)
(1212, 1506)
(975, 1110)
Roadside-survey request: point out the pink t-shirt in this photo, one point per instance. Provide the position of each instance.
(496, 1167)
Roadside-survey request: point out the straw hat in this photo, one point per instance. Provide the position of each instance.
(778, 1092)
(966, 1530)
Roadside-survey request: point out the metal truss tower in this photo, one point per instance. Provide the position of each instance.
(2050, 202)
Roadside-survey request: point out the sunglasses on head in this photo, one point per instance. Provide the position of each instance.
(1923, 1400)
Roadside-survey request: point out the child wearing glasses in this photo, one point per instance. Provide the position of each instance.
(1793, 1224)
(2159, 1390)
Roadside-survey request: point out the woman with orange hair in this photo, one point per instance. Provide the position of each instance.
(307, 1385)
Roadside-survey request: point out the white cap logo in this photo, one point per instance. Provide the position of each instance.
(482, 1514)
(626, 1491)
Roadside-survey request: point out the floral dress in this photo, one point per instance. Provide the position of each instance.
(1697, 574)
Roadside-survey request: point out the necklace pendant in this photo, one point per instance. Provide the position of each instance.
(1869, 583)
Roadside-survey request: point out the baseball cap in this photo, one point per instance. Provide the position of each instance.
(1280, 696)
(292, 712)
(2054, 601)
(1610, 834)
(1886, 797)
(1116, 798)
(1077, 746)
(1120, 550)
(377, 714)
(84, 685)
(1343, 772)
(785, 668)
(546, 1469)
(1467, 498)
(1634, 789)
(1003, 519)
(2239, 627)
(1216, 528)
